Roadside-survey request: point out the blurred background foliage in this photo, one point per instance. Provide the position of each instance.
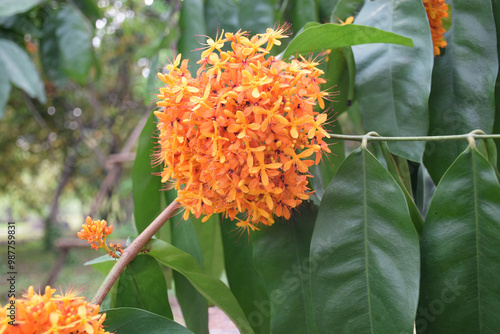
(75, 82)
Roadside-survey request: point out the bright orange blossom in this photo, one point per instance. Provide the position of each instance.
(238, 137)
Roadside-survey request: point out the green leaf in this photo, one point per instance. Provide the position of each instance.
(401, 174)
(345, 8)
(463, 82)
(191, 23)
(12, 7)
(4, 88)
(146, 186)
(256, 16)
(460, 258)
(393, 82)
(74, 33)
(21, 71)
(194, 306)
(209, 235)
(212, 289)
(330, 162)
(244, 280)
(143, 285)
(366, 253)
(221, 14)
(50, 53)
(303, 11)
(89, 8)
(496, 125)
(103, 264)
(334, 36)
(127, 320)
(281, 256)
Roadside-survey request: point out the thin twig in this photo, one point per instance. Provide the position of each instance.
(132, 250)
(420, 138)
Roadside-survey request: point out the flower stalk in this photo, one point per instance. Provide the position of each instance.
(132, 250)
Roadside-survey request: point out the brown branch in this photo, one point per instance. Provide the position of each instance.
(113, 174)
(131, 251)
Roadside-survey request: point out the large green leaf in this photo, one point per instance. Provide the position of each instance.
(211, 288)
(345, 8)
(334, 36)
(127, 320)
(4, 88)
(143, 285)
(244, 280)
(460, 251)
(20, 70)
(146, 186)
(209, 235)
(221, 14)
(191, 23)
(12, 7)
(400, 173)
(256, 15)
(366, 253)
(496, 125)
(303, 11)
(393, 82)
(281, 256)
(74, 33)
(194, 306)
(463, 81)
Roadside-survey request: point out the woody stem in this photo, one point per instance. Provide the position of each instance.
(132, 250)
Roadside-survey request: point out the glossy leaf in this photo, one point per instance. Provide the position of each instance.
(334, 36)
(363, 281)
(256, 16)
(21, 70)
(143, 285)
(194, 306)
(496, 125)
(244, 280)
(191, 23)
(4, 88)
(463, 81)
(209, 235)
(221, 14)
(460, 258)
(330, 162)
(146, 186)
(281, 256)
(74, 34)
(12, 7)
(127, 320)
(400, 173)
(212, 289)
(345, 8)
(303, 11)
(393, 82)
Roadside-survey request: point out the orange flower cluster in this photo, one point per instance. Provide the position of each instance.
(96, 232)
(45, 313)
(239, 137)
(436, 11)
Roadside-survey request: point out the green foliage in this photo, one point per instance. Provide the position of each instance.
(127, 320)
(362, 281)
(460, 257)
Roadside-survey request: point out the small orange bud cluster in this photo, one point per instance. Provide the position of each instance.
(45, 313)
(436, 11)
(239, 137)
(96, 232)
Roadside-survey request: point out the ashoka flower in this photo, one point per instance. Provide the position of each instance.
(239, 137)
(48, 313)
(436, 11)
